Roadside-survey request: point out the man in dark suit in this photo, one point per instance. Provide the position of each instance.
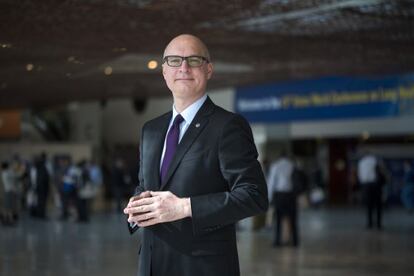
(199, 175)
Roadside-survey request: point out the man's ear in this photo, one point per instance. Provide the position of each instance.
(210, 70)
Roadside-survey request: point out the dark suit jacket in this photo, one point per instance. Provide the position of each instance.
(216, 166)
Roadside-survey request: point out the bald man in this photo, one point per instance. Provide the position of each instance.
(199, 175)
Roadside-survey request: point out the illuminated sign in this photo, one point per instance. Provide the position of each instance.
(327, 98)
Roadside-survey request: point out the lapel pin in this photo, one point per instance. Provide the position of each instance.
(197, 125)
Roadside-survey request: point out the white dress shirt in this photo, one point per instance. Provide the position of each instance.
(280, 176)
(367, 169)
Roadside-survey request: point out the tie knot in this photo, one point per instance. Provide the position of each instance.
(178, 120)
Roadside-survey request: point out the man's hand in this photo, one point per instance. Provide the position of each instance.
(135, 198)
(157, 207)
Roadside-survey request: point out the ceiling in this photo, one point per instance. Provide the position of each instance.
(54, 52)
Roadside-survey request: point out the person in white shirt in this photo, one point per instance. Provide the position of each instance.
(367, 169)
(281, 194)
(370, 178)
(71, 179)
(8, 178)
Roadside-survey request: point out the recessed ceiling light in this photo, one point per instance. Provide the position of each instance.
(29, 67)
(108, 70)
(152, 64)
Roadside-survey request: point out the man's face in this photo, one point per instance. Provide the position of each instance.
(184, 81)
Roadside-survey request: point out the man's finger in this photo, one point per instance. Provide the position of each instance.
(135, 210)
(140, 209)
(157, 193)
(140, 196)
(140, 202)
(145, 194)
(142, 217)
(133, 198)
(132, 207)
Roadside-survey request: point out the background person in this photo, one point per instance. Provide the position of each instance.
(283, 197)
(371, 178)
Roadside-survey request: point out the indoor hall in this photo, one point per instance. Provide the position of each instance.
(334, 242)
(326, 86)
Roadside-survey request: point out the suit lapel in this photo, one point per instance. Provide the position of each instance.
(197, 125)
(157, 144)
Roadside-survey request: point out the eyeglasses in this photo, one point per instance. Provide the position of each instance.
(192, 61)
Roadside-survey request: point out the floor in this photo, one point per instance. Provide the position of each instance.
(333, 242)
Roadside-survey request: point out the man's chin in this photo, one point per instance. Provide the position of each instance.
(184, 83)
(182, 92)
(184, 86)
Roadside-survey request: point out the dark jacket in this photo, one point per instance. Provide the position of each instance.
(216, 166)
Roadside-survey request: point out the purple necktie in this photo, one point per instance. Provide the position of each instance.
(171, 145)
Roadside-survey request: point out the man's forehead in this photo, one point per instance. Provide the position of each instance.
(184, 46)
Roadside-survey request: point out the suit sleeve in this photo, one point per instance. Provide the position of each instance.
(247, 189)
(140, 187)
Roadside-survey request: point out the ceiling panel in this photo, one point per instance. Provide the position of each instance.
(53, 52)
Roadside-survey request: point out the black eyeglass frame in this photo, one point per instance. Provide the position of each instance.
(165, 60)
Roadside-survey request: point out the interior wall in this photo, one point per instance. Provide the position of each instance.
(86, 123)
(122, 124)
(402, 125)
(388, 150)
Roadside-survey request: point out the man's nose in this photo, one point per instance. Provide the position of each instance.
(184, 66)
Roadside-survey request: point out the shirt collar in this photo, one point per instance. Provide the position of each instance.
(190, 112)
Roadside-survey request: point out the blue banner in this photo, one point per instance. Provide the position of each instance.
(327, 98)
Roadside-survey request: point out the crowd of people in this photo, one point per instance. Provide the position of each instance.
(30, 187)
(287, 180)
(59, 188)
